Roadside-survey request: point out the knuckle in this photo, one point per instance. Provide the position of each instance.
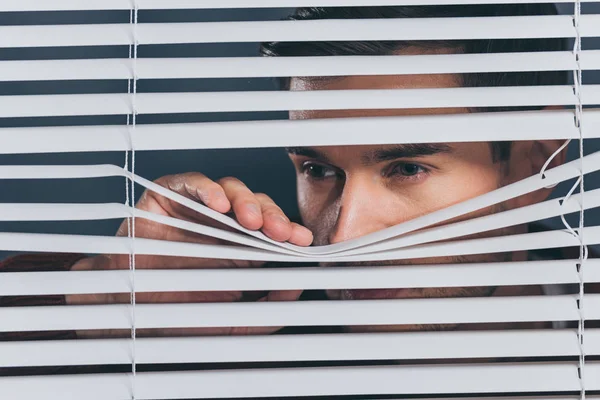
(230, 180)
(192, 190)
(263, 198)
(163, 180)
(268, 203)
(171, 182)
(246, 199)
(275, 212)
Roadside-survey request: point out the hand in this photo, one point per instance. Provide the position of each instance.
(254, 211)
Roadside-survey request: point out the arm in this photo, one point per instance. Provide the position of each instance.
(254, 211)
(39, 263)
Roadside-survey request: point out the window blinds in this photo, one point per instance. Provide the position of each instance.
(543, 363)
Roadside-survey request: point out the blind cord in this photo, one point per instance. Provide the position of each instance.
(549, 160)
(577, 81)
(133, 20)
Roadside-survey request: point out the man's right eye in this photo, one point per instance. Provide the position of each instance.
(318, 171)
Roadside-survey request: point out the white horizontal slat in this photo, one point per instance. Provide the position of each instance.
(60, 171)
(62, 212)
(331, 347)
(308, 313)
(488, 223)
(328, 381)
(57, 243)
(165, 103)
(470, 127)
(308, 278)
(544, 26)
(255, 67)
(64, 5)
(65, 105)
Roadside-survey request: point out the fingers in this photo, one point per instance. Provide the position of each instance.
(252, 211)
(301, 236)
(275, 223)
(246, 207)
(198, 187)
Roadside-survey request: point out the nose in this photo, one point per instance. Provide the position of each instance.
(363, 207)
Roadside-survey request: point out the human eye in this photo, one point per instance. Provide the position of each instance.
(406, 170)
(317, 171)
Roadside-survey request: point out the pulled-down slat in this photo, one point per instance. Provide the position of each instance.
(58, 243)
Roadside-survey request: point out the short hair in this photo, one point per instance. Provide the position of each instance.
(500, 150)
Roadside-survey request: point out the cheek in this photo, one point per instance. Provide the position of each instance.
(318, 206)
(464, 184)
(310, 203)
(445, 189)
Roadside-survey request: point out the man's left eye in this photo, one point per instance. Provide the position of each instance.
(406, 169)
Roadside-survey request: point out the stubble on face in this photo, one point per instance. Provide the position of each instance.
(321, 232)
(322, 223)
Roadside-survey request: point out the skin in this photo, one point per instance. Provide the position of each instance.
(343, 192)
(346, 192)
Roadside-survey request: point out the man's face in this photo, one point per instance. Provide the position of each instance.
(349, 191)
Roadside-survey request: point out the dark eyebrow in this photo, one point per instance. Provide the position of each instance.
(307, 152)
(377, 156)
(405, 151)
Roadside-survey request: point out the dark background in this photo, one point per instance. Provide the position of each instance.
(263, 170)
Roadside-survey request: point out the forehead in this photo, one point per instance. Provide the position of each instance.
(374, 82)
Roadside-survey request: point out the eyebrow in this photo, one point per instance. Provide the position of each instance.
(307, 152)
(405, 151)
(377, 156)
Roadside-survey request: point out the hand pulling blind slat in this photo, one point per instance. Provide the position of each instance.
(527, 214)
(551, 177)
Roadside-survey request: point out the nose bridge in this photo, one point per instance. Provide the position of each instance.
(362, 210)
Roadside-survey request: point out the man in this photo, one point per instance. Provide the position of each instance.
(349, 191)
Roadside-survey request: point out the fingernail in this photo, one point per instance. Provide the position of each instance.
(253, 209)
(219, 196)
(283, 219)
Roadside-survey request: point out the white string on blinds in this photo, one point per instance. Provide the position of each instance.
(116, 342)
